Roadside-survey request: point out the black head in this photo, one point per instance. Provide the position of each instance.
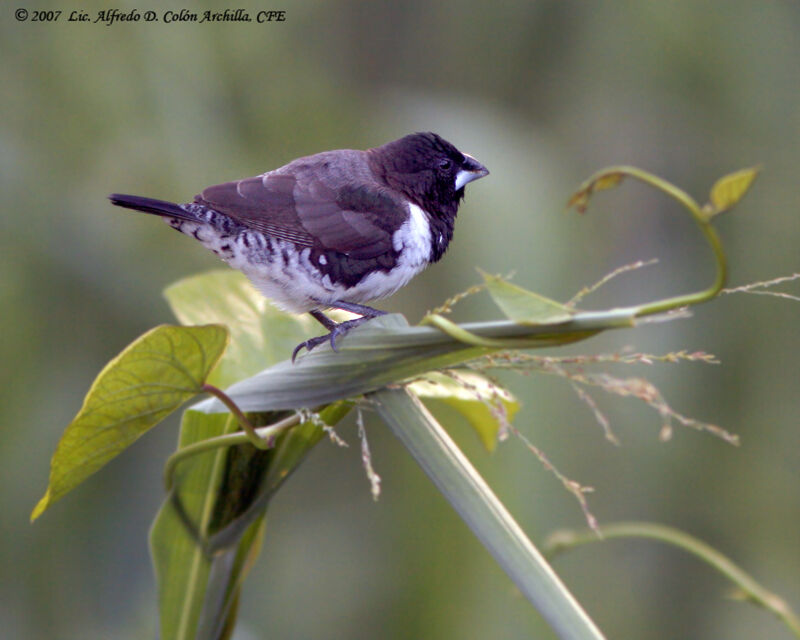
(427, 169)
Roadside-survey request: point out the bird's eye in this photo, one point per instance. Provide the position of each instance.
(445, 164)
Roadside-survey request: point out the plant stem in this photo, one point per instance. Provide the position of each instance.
(492, 524)
(264, 434)
(246, 425)
(566, 540)
(701, 296)
(702, 218)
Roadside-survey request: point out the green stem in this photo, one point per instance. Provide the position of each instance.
(458, 332)
(490, 521)
(247, 427)
(264, 435)
(565, 540)
(603, 180)
(705, 295)
(701, 218)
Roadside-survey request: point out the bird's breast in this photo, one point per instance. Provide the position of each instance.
(413, 241)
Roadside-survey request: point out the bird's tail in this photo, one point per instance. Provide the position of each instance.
(151, 205)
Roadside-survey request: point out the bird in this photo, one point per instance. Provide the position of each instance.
(332, 230)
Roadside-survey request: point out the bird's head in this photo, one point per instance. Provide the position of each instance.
(427, 169)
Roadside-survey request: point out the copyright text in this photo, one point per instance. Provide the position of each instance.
(109, 17)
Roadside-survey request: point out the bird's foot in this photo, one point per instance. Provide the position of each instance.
(311, 343)
(336, 331)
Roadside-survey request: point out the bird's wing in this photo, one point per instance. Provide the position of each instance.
(320, 209)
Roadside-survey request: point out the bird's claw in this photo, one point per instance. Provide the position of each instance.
(339, 330)
(312, 343)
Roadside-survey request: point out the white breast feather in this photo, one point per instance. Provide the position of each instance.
(299, 286)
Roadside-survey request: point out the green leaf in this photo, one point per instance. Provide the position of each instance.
(729, 189)
(599, 182)
(487, 407)
(261, 334)
(523, 306)
(208, 532)
(182, 567)
(386, 350)
(135, 391)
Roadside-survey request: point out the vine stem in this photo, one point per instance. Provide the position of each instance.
(459, 333)
(246, 425)
(602, 180)
(266, 435)
(566, 540)
(610, 177)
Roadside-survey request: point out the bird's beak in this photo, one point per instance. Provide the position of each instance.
(470, 170)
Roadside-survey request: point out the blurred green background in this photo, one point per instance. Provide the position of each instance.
(543, 93)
